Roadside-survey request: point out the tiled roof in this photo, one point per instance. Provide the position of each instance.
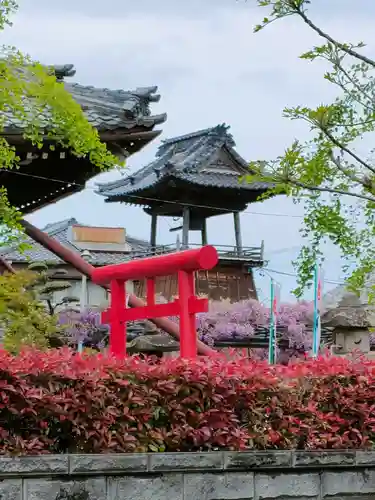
(106, 109)
(60, 231)
(221, 180)
(195, 158)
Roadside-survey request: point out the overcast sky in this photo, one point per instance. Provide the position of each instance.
(210, 68)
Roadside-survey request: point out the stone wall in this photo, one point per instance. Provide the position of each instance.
(191, 476)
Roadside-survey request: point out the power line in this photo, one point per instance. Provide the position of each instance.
(333, 282)
(282, 250)
(193, 205)
(264, 270)
(189, 205)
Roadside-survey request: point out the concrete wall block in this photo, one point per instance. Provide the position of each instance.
(323, 459)
(279, 475)
(233, 486)
(285, 486)
(44, 489)
(348, 483)
(11, 489)
(22, 466)
(239, 486)
(108, 464)
(365, 458)
(258, 459)
(186, 461)
(164, 487)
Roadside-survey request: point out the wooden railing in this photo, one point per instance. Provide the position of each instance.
(260, 339)
(246, 254)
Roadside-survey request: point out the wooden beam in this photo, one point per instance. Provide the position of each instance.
(123, 134)
(175, 207)
(141, 135)
(167, 209)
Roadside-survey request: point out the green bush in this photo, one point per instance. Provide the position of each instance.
(24, 320)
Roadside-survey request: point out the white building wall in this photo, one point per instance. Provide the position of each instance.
(96, 295)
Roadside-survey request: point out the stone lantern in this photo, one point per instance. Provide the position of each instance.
(351, 321)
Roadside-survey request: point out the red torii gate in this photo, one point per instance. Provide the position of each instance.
(184, 264)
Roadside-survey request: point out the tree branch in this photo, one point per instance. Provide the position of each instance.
(50, 307)
(356, 85)
(337, 143)
(347, 173)
(353, 97)
(347, 150)
(330, 190)
(341, 46)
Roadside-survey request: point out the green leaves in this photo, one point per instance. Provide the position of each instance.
(30, 93)
(23, 318)
(7, 7)
(31, 96)
(280, 9)
(334, 181)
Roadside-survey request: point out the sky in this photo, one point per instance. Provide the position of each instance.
(210, 68)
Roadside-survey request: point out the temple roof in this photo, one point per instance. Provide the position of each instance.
(124, 123)
(206, 158)
(105, 109)
(61, 231)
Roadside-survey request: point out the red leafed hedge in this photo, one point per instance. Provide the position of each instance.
(59, 402)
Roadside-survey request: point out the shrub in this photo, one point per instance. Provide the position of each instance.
(47, 284)
(57, 402)
(23, 319)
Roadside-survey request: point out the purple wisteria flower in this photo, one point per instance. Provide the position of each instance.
(242, 320)
(82, 327)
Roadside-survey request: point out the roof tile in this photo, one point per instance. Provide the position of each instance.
(189, 158)
(60, 231)
(106, 109)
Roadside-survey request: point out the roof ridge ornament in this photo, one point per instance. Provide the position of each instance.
(148, 93)
(62, 71)
(219, 131)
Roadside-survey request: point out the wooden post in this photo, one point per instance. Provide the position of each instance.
(185, 227)
(188, 341)
(237, 232)
(204, 232)
(118, 328)
(154, 220)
